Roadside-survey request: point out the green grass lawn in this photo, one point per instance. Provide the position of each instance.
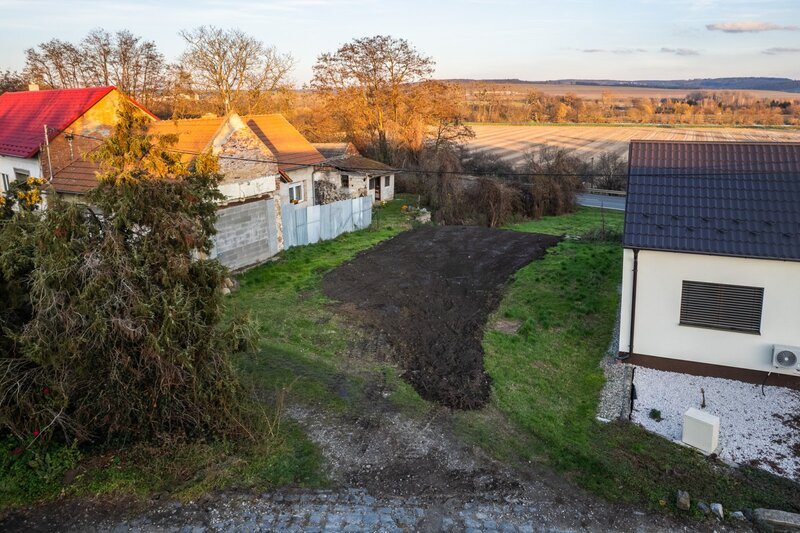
(546, 381)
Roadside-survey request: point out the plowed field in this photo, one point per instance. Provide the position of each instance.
(512, 142)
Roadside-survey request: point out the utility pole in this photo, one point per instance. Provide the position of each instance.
(49, 162)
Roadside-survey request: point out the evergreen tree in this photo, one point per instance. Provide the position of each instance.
(127, 335)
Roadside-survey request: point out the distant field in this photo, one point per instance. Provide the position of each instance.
(594, 92)
(512, 142)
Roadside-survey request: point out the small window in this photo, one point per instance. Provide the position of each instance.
(387, 181)
(296, 193)
(21, 175)
(719, 306)
(345, 181)
(6, 182)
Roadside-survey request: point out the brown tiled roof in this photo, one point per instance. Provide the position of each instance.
(194, 135)
(333, 150)
(78, 177)
(289, 146)
(358, 163)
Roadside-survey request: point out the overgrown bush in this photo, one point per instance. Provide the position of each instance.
(125, 336)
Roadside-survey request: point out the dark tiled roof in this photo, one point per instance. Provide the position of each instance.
(719, 198)
(357, 163)
(334, 150)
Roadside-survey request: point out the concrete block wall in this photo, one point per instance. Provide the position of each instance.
(247, 234)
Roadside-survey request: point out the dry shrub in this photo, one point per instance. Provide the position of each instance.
(496, 203)
(548, 195)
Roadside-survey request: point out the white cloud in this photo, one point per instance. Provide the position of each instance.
(680, 51)
(621, 51)
(749, 26)
(780, 50)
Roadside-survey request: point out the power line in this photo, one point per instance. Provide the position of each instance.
(664, 171)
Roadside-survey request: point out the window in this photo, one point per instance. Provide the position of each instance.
(345, 181)
(296, 193)
(387, 181)
(5, 181)
(718, 306)
(21, 175)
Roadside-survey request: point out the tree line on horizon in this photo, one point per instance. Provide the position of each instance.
(489, 102)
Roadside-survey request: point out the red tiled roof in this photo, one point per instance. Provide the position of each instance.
(289, 146)
(23, 116)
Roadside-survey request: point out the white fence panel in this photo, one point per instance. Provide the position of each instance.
(307, 225)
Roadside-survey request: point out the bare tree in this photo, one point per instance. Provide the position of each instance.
(56, 64)
(238, 69)
(10, 81)
(133, 65)
(369, 80)
(612, 172)
(98, 48)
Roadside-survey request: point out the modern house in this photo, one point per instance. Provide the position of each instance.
(42, 132)
(355, 174)
(711, 275)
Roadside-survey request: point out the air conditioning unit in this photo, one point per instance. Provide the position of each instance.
(786, 357)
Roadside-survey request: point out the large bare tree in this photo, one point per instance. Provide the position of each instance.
(236, 68)
(369, 82)
(133, 65)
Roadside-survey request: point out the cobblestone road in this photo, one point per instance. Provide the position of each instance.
(351, 510)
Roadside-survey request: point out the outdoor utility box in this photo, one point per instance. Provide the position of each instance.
(701, 430)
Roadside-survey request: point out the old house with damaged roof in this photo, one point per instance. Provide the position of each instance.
(354, 174)
(42, 132)
(295, 156)
(711, 279)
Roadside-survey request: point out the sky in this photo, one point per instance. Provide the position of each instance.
(531, 40)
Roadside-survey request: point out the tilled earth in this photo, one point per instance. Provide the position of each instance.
(430, 291)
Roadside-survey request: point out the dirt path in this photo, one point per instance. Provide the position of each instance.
(390, 473)
(430, 292)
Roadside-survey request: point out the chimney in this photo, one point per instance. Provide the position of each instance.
(33, 86)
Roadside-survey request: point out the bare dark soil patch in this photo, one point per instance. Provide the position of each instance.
(430, 291)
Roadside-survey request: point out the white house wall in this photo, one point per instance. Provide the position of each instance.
(658, 300)
(241, 189)
(9, 163)
(387, 192)
(302, 175)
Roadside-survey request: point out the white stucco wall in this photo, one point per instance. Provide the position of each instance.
(241, 189)
(658, 300)
(9, 163)
(302, 175)
(387, 192)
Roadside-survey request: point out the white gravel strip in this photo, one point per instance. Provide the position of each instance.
(762, 430)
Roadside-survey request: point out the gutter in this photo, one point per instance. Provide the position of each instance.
(634, 283)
